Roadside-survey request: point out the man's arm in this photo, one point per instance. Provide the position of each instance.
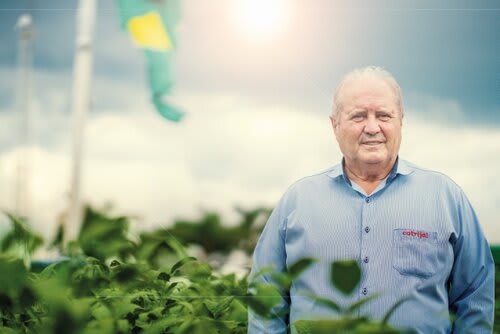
(270, 252)
(472, 278)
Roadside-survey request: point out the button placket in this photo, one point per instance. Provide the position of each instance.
(369, 213)
(368, 210)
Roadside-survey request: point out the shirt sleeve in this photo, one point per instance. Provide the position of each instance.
(472, 279)
(270, 252)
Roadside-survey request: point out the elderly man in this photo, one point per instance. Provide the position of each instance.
(412, 230)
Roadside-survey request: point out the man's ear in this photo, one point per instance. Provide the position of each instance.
(334, 122)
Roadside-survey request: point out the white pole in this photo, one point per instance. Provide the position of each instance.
(25, 61)
(82, 71)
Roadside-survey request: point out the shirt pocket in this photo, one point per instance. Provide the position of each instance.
(415, 253)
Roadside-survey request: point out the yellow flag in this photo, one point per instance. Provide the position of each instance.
(149, 32)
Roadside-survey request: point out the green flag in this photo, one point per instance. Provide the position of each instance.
(151, 24)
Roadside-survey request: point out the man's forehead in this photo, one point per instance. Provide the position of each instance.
(368, 108)
(366, 85)
(363, 90)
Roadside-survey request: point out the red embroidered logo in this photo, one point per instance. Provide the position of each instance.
(418, 234)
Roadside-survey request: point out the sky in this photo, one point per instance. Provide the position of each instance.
(256, 82)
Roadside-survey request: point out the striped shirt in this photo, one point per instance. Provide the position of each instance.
(416, 236)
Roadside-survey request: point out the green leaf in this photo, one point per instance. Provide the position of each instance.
(163, 276)
(13, 274)
(100, 311)
(114, 263)
(217, 308)
(160, 326)
(393, 308)
(180, 263)
(328, 303)
(20, 238)
(376, 328)
(300, 266)
(343, 326)
(176, 246)
(264, 299)
(171, 287)
(256, 305)
(6, 303)
(358, 304)
(283, 280)
(264, 270)
(102, 236)
(238, 312)
(27, 297)
(126, 273)
(345, 275)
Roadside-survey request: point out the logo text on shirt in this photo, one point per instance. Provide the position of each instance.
(416, 234)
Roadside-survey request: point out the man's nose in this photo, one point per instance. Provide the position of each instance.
(371, 126)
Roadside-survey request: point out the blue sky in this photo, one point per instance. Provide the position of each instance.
(257, 105)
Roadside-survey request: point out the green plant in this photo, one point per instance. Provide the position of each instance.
(20, 241)
(115, 284)
(213, 235)
(495, 249)
(112, 284)
(345, 277)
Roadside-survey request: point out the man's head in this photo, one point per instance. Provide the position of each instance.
(367, 117)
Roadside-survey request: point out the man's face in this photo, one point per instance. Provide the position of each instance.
(368, 127)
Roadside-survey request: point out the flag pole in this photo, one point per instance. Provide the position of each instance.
(24, 27)
(82, 71)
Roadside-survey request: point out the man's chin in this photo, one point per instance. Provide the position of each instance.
(374, 159)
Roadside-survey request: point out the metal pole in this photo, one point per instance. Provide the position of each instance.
(24, 27)
(82, 72)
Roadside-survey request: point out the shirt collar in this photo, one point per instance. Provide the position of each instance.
(403, 167)
(400, 167)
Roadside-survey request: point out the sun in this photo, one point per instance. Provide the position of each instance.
(262, 19)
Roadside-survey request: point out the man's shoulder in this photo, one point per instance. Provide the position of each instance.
(433, 177)
(314, 183)
(320, 176)
(419, 170)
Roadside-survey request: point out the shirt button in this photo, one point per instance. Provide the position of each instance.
(367, 229)
(366, 259)
(367, 199)
(365, 291)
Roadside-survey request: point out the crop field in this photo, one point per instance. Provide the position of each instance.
(109, 282)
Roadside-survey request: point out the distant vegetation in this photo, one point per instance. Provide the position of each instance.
(110, 282)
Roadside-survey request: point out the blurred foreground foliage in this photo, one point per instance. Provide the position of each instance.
(496, 256)
(108, 282)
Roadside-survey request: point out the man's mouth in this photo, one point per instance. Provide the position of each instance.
(372, 143)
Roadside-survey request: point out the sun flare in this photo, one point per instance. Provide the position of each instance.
(261, 18)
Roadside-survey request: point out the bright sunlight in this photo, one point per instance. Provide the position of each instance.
(261, 19)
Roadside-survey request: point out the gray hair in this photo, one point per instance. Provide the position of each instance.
(373, 71)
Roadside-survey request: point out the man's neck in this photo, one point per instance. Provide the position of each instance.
(368, 176)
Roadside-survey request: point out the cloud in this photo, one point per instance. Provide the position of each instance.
(46, 178)
(225, 153)
(444, 111)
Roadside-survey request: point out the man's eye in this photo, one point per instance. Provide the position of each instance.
(384, 117)
(357, 118)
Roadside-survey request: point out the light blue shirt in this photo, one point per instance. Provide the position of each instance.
(415, 236)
